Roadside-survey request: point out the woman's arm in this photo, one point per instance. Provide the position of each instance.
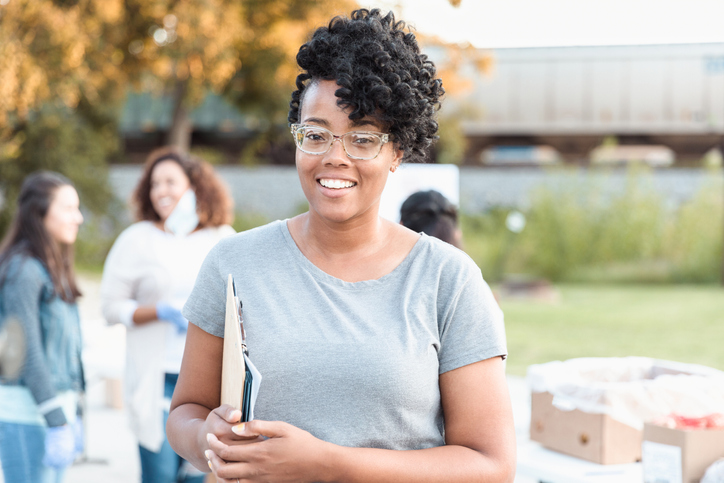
(120, 274)
(479, 433)
(118, 302)
(195, 405)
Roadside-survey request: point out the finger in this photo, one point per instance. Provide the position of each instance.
(223, 451)
(225, 470)
(233, 472)
(215, 463)
(267, 429)
(228, 413)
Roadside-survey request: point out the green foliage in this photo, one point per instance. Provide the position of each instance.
(694, 242)
(452, 144)
(78, 147)
(96, 237)
(484, 239)
(578, 224)
(578, 231)
(209, 154)
(247, 221)
(59, 141)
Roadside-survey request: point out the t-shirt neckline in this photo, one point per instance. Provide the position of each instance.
(323, 276)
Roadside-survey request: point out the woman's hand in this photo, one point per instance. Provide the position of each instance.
(221, 423)
(59, 447)
(280, 452)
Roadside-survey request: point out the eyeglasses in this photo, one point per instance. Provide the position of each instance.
(357, 144)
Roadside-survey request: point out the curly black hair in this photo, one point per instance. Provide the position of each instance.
(380, 73)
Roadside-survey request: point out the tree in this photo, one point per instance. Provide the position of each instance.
(92, 50)
(65, 65)
(244, 50)
(54, 51)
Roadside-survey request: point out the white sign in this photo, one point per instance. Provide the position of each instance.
(661, 462)
(411, 178)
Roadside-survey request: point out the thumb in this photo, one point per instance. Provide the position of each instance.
(269, 429)
(228, 413)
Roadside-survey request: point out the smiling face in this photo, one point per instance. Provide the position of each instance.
(64, 217)
(337, 187)
(168, 183)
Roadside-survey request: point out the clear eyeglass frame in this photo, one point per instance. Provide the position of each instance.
(296, 128)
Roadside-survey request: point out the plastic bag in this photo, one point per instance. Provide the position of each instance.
(715, 473)
(632, 390)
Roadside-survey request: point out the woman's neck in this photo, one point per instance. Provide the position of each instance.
(365, 233)
(364, 249)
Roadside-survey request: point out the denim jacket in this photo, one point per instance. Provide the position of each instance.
(52, 332)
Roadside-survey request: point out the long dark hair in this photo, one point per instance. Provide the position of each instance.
(27, 234)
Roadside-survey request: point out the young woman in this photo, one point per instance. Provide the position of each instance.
(39, 434)
(380, 348)
(184, 210)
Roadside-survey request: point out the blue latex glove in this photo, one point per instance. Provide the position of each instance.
(78, 436)
(59, 447)
(169, 313)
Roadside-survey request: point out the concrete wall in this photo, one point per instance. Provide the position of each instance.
(275, 191)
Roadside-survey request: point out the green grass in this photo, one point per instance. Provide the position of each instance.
(675, 322)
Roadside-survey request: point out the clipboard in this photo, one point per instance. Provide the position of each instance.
(234, 373)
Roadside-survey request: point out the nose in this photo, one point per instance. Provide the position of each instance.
(337, 156)
(159, 189)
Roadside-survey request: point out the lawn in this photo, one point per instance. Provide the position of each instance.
(675, 322)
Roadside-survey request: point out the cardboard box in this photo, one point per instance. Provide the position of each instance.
(679, 456)
(593, 437)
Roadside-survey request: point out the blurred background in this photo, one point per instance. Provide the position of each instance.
(588, 139)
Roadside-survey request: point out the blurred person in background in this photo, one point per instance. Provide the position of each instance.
(431, 213)
(183, 211)
(40, 432)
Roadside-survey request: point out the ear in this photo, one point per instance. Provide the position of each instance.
(397, 160)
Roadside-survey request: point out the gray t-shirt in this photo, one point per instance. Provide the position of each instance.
(354, 363)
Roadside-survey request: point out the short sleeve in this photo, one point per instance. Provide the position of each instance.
(206, 306)
(471, 327)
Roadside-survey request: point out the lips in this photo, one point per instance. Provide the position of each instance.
(165, 201)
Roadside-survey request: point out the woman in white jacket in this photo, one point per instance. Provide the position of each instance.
(183, 210)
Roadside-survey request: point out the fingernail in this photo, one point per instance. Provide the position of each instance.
(211, 467)
(208, 437)
(207, 453)
(238, 429)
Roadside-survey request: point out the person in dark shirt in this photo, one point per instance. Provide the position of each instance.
(431, 213)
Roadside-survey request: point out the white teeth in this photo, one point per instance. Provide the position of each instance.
(336, 183)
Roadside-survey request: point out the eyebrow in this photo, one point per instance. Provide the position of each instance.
(316, 120)
(355, 122)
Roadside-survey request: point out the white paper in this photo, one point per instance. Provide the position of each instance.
(255, 383)
(661, 462)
